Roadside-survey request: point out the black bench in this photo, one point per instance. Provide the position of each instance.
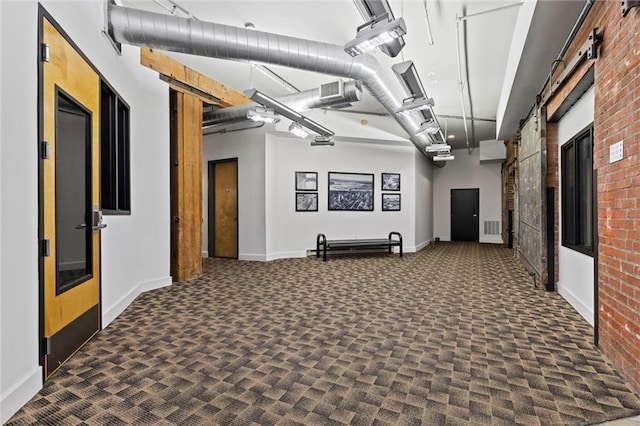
(374, 243)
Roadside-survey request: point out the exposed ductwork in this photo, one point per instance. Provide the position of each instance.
(303, 101)
(141, 28)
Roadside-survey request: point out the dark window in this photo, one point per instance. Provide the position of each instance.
(577, 193)
(115, 183)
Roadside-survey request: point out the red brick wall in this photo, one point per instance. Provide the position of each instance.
(552, 181)
(616, 117)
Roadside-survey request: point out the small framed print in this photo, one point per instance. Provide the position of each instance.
(391, 181)
(390, 202)
(306, 201)
(306, 181)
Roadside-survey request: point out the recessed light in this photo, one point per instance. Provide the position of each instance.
(451, 136)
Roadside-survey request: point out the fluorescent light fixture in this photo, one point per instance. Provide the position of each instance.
(258, 113)
(438, 147)
(372, 9)
(323, 141)
(222, 128)
(285, 111)
(297, 130)
(448, 157)
(409, 79)
(430, 126)
(375, 33)
(415, 105)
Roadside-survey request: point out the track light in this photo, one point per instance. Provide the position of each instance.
(447, 157)
(297, 130)
(438, 147)
(430, 126)
(371, 9)
(415, 105)
(285, 111)
(375, 33)
(259, 113)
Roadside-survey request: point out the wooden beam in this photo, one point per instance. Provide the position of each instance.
(187, 80)
(186, 186)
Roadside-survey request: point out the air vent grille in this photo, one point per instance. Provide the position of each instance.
(332, 90)
(491, 227)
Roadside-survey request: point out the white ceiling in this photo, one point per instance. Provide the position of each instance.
(487, 36)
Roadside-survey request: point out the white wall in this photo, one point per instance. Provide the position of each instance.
(135, 248)
(424, 200)
(575, 280)
(467, 172)
(291, 233)
(248, 146)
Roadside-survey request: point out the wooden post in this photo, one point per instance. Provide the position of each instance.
(186, 186)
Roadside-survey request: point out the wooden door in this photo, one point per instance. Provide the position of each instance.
(223, 205)
(465, 220)
(69, 177)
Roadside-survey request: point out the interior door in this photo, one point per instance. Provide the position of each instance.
(223, 207)
(465, 220)
(69, 217)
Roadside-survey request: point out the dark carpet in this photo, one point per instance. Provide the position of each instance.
(453, 335)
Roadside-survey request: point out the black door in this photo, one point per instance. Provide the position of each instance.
(465, 225)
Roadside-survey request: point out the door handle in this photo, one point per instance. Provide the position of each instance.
(97, 227)
(475, 215)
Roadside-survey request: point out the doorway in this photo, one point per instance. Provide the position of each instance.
(70, 221)
(223, 208)
(465, 220)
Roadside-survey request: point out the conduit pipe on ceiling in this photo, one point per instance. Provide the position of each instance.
(303, 101)
(142, 28)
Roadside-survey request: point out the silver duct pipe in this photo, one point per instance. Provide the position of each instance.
(303, 101)
(172, 33)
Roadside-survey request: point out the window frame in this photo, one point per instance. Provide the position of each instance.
(115, 152)
(571, 151)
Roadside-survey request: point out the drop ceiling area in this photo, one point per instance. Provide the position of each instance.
(484, 60)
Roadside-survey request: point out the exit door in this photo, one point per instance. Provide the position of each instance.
(465, 220)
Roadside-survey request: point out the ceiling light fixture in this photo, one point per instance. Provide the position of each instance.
(374, 33)
(411, 106)
(409, 78)
(448, 157)
(323, 141)
(430, 126)
(259, 113)
(297, 130)
(285, 111)
(438, 147)
(371, 9)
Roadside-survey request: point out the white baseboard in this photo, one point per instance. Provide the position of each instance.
(491, 239)
(422, 245)
(578, 305)
(18, 395)
(252, 257)
(286, 255)
(112, 313)
(205, 253)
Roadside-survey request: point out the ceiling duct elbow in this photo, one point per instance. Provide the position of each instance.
(172, 33)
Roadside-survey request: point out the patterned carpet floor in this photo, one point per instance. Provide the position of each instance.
(453, 335)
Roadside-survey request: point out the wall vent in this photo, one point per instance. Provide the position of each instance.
(332, 90)
(491, 227)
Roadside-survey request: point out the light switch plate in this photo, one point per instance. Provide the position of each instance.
(615, 152)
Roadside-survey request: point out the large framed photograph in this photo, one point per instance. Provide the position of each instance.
(391, 181)
(351, 191)
(306, 201)
(306, 181)
(390, 202)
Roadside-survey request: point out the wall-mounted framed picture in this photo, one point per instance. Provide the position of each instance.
(306, 201)
(350, 191)
(306, 181)
(391, 181)
(390, 202)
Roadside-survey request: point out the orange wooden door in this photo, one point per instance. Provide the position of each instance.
(225, 229)
(69, 109)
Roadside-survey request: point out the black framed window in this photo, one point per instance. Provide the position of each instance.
(115, 169)
(577, 193)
